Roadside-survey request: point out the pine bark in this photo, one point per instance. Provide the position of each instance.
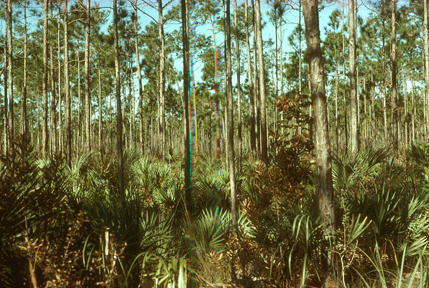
(5, 90)
(118, 106)
(354, 133)
(161, 121)
(87, 79)
(45, 80)
(250, 79)
(185, 41)
(100, 119)
(10, 76)
(60, 112)
(24, 89)
(425, 17)
(323, 150)
(230, 121)
(264, 144)
(67, 87)
(255, 81)
(237, 46)
(139, 73)
(394, 111)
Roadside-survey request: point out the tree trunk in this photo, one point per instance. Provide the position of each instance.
(161, 120)
(118, 106)
(251, 91)
(45, 80)
(406, 109)
(186, 80)
(353, 79)
(281, 69)
(337, 119)
(256, 89)
(6, 129)
(394, 111)
(24, 88)
(230, 122)
(264, 144)
(237, 47)
(426, 58)
(100, 119)
(87, 79)
(60, 112)
(413, 112)
(323, 150)
(78, 146)
(10, 77)
(346, 136)
(53, 126)
(139, 73)
(67, 87)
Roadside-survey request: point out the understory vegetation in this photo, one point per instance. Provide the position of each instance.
(65, 226)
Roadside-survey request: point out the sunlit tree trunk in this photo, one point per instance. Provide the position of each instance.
(425, 17)
(53, 126)
(251, 89)
(87, 79)
(256, 88)
(323, 150)
(337, 119)
(237, 47)
(394, 111)
(100, 119)
(264, 144)
(161, 115)
(346, 136)
(60, 112)
(281, 68)
(353, 79)
(67, 87)
(45, 80)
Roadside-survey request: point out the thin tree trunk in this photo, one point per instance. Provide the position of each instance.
(10, 77)
(186, 80)
(78, 146)
(413, 111)
(161, 121)
(337, 119)
(323, 150)
(281, 69)
(118, 106)
(251, 88)
(353, 83)
(87, 79)
(425, 17)
(6, 122)
(67, 87)
(45, 80)
(100, 119)
(394, 111)
(264, 144)
(53, 128)
(237, 47)
(24, 88)
(255, 81)
(406, 109)
(60, 114)
(346, 136)
(139, 73)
